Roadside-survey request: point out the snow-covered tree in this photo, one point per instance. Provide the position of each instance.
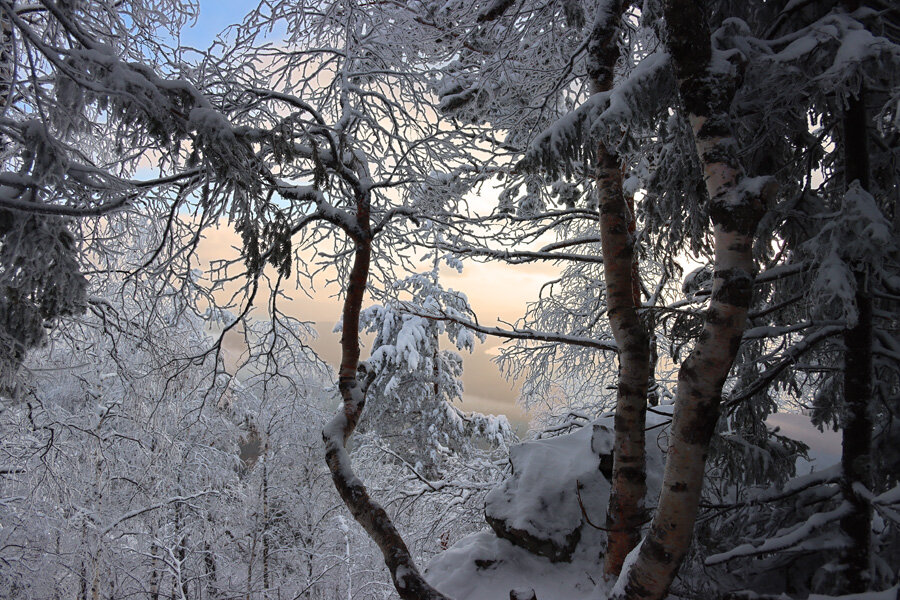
(417, 383)
(75, 76)
(296, 149)
(829, 309)
(616, 133)
(767, 137)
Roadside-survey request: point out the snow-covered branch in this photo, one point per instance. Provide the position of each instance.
(796, 539)
(514, 333)
(157, 506)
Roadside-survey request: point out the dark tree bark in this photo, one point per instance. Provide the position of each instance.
(626, 503)
(652, 386)
(83, 593)
(209, 565)
(353, 382)
(154, 572)
(179, 582)
(856, 453)
(265, 516)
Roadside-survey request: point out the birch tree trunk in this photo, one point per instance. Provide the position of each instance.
(856, 451)
(179, 554)
(98, 502)
(626, 502)
(736, 204)
(154, 569)
(83, 592)
(625, 514)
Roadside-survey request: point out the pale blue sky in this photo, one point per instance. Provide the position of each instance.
(215, 15)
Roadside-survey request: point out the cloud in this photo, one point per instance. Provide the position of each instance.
(492, 350)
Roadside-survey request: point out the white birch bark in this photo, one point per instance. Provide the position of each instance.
(736, 203)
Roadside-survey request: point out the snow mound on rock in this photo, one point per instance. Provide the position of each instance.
(540, 539)
(483, 566)
(538, 507)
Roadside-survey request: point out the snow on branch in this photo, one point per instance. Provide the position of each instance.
(797, 539)
(793, 487)
(788, 358)
(837, 50)
(495, 10)
(888, 498)
(152, 507)
(515, 333)
(633, 103)
(771, 331)
(780, 272)
(518, 257)
(40, 208)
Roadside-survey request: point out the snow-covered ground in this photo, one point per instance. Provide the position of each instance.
(483, 566)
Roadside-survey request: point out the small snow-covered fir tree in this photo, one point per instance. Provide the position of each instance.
(417, 383)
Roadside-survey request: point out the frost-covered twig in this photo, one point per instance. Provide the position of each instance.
(518, 257)
(515, 333)
(793, 487)
(158, 505)
(789, 357)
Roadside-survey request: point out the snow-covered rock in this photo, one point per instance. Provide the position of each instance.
(483, 566)
(541, 539)
(538, 507)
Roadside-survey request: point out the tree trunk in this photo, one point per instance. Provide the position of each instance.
(83, 592)
(265, 517)
(249, 572)
(735, 206)
(652, 385)
(98, 499)
(626, 502)
(353, 383)
(209, 563)
(154, 571)
(179, 581)
(856, 453)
